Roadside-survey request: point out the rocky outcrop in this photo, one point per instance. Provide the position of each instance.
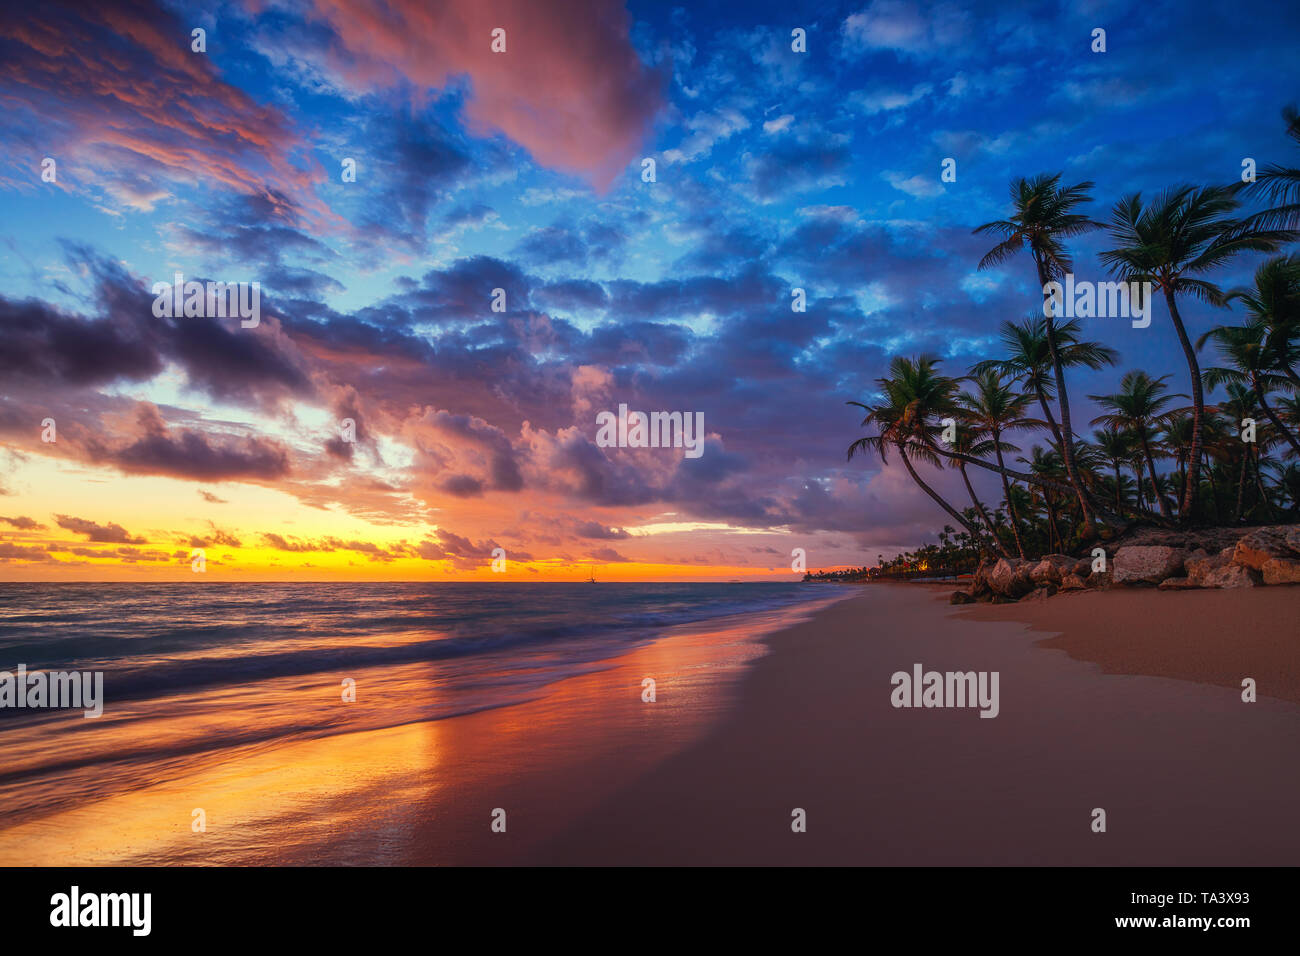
(1149, 564)
(1231, 576)
(1051, 569)
(1261, 546)
(1167, 559)
(1281, 571)
(1010, 578)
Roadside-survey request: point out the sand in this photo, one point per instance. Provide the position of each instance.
(1187, 773)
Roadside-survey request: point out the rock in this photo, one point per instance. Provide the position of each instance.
(1072, 582)
(1231, 576)
(961, 597)
(1148, 564)
(1260, 546)
(1199, 564)
(1292, 538)
(1281, 571)
(1177, 584)
(1082, 567)
(1039, 594)
(979, 586)
(1009, 578)
(1051, 569)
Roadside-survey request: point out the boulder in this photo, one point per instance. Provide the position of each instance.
(1199, 564)
(1177, 584)
(1072, 582)
(979, 585)
(961, 597)
(1147, 564)
(1082, 567)
(1051, 569)
(1261, 546)
(1281, 571)
(1231, 576)
(1039, 594)
(1292, 538)
(1009, 578)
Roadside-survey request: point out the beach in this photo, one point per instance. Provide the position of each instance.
(1187, 773)
(1125, 701)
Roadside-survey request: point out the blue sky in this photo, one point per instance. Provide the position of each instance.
(774, 170)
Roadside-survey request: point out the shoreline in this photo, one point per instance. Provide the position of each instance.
(421, 792)
(763, 713)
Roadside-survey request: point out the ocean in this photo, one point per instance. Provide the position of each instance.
(201, 674)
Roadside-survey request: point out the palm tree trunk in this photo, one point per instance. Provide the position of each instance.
(1259, 485)
(1006, 494)
(1155, 485)
(1214, 490)
(1063, 402)
(979, 508)
(902, 452)
(1192, 480)
(1272, 417)
(1119, 501)
(1051, 522)
(1038, 480)
(1241, 487)
(1047, 414)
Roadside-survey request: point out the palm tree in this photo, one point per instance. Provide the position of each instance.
(1046, 462)
(1281, 184)
(1240, 405)
(1244, 347)
(974, 443)
(994, 408)
(1182, 234)
(1115, 446)
(913, 394)
(1029, 360)
(1140, 406)
(1274, 302)
(1042, 217)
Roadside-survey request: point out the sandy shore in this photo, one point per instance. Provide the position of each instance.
(1212, 637)
(1186, 772)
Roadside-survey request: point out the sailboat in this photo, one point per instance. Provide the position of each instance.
(593, 575)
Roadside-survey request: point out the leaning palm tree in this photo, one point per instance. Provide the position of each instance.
(1141, 406)
(1281, 184)
(1029, 360)
(1043, 216)
(912, 396)
(994, 409)
(1244, 348)
(1182, 234)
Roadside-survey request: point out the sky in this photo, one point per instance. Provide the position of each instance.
(225, 157)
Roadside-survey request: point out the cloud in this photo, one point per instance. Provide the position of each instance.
(570, 88)
(102, 533)
(23, 523)
(119, 98)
